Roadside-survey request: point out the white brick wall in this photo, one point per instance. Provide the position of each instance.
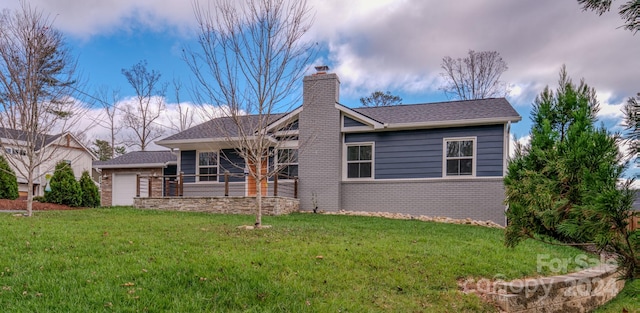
(320, 144)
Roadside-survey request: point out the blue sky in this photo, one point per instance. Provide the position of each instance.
(387, 45)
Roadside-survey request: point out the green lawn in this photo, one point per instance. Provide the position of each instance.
(125, 260)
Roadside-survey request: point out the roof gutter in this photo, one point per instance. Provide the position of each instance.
(145, 165)
(439, 124)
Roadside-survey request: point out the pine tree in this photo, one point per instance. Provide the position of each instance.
(8, 181)
(90, 192)
(65, 189)
(564, 185)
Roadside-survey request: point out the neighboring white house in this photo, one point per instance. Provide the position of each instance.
(53, 148)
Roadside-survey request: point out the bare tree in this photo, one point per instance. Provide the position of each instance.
(37, 89)
(185, 114)
(475, 77)
(110, 119)
(380, 99)
(629, 11)
(251, 59)
(142, 115)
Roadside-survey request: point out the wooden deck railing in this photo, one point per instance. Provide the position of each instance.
(173, 185)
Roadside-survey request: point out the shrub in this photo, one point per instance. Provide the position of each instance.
(65, 189)
(90, 192)
(40, 199)
(8, 181)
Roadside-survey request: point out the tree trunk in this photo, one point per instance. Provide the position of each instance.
(259, 193)
(30, 195)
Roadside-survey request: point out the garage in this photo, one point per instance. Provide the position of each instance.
(124, 189)
(118, 176)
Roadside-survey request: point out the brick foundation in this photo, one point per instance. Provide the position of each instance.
(225, 205)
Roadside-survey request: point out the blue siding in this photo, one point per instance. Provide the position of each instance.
(231, 161)
(188, 165)
(418, 153)
(349, 122)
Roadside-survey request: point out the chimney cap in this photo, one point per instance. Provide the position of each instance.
(322, 69)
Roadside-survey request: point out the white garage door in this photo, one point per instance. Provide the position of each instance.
(124, 189)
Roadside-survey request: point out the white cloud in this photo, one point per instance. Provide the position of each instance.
(609, 110)
(388, 44)
(92, 17)
(399, 45)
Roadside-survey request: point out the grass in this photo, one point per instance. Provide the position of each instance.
(125, 260)
(628, 299)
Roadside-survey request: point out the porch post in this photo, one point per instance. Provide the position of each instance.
(137, 185)
(275, 185)
(150, 179)
(226, 183)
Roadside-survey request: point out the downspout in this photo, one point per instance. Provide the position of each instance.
(506, 163)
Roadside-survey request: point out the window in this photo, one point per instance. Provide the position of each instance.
(360, 161)
(287, 163)
(15, 151)
(459, 156)
(208, 166)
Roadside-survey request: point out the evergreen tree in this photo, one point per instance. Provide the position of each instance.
(8, 181)
(90, 192)
(65, 189)
(564, 185)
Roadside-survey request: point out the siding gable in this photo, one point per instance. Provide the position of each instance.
(349, 122)
(419, 153)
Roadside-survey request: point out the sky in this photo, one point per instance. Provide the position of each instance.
(388, 45)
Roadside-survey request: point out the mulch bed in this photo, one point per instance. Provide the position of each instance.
(37, 206)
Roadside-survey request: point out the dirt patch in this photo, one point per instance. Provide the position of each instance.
(37, 206)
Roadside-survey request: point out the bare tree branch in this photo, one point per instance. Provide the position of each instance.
(475, 77)
(251, 60)
(148, 104)
(37, 88)
(186, 117)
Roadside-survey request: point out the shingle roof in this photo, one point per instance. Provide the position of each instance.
(442, 111)
(139, 159)
(220, 127)
(15, 134)
(492, 108)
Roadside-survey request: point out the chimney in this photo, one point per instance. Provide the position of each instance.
(321, 69)
(321, 86)
(320, 162)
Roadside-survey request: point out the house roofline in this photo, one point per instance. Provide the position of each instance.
(176, 142)
(364, 118)
(138, 165)
(439, 124)
(285, 118)
(475, 121)
(93, 155)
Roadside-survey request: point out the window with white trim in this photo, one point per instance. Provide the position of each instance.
(459, 156)
(359, 161)
(287, 163)
(208, 166)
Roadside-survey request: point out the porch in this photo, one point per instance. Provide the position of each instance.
(228, 194)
